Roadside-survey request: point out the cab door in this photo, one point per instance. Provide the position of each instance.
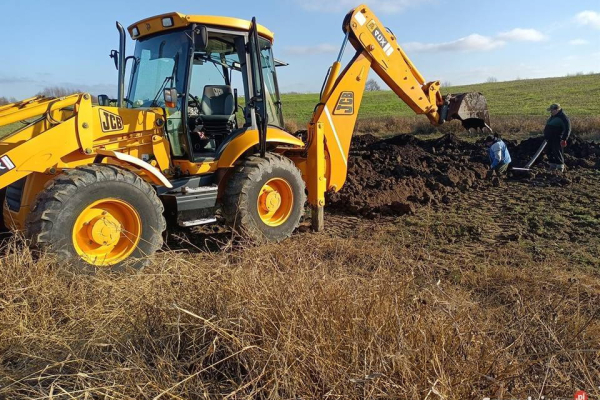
(266, 101)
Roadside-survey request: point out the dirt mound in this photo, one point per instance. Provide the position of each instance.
(578, 153)
(395, 175)
(392, 176)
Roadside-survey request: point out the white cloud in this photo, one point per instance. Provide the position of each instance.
(477, 42)
(323, 48)
(578, 42)
(388, 6)
(522, 35)
(591, 18)
(474, 42)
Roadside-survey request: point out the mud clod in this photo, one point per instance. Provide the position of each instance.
(393, 176)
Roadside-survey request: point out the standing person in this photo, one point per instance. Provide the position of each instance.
(499, 155)
(556, 132)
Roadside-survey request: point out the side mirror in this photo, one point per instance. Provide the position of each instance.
(115, 56)
(103, 100)
(170, 97)
(200, 38)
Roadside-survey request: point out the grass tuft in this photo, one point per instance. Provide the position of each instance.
(314, 317)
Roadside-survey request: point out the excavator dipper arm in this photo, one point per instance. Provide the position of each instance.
(332, 125)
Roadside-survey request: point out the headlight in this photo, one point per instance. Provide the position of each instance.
(167, 22)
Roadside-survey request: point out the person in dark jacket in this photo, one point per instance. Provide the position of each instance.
(556, 132)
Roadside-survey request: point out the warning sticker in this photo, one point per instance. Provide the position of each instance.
(6, 165)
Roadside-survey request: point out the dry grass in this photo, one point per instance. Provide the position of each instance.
(587, 128)
(372, 316)
(511, 127)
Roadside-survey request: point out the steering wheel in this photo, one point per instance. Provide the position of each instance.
(195, 100)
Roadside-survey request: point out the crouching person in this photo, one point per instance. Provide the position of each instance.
(499, 156)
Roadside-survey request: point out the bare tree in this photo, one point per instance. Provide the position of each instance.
(446, 84)
(58, 91)
(492, 79)
(372, 86)
(6, 100)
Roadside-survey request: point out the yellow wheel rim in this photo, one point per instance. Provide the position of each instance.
(275, 202)
(107, 232)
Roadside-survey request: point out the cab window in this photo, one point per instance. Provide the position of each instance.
(218, 78)
(270, 76)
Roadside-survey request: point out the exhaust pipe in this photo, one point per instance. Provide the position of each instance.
(121, 67)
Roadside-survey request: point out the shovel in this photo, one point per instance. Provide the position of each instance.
(527, 167)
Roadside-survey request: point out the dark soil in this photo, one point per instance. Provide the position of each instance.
(394, 176)
(578, 153)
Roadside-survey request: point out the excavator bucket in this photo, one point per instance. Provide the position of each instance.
(470, 108)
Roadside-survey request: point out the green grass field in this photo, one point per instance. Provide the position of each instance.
(577, 94)
(528, 97)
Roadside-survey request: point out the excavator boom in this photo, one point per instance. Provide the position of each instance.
(335, 116)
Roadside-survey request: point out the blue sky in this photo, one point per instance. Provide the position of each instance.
(67, 43)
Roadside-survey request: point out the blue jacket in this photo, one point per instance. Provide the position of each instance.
(499, 154)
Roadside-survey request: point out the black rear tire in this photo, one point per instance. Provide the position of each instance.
(53, 216)
(3, 227)
(243, 189)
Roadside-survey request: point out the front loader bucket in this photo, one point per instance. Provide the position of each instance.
(470, 108)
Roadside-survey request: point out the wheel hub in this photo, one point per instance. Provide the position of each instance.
(107, 232)
(275, 202)
(270, 200)
(104, 230)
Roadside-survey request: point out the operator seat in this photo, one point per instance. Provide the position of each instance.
(217, 110)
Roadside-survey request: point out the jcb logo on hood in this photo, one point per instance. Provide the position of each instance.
(110, 122)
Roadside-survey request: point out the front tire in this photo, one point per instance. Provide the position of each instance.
(98, 216)
(264, 198)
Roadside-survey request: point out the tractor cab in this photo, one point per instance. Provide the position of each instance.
(215, 78)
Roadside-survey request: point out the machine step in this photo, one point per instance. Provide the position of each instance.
(196, 222)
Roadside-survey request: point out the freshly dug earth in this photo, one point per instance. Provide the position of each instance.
(393, 176)
(578, 153)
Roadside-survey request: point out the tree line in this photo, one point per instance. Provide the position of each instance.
(50, 91)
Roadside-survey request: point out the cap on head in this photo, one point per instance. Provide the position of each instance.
(489, 139)
(554, 107)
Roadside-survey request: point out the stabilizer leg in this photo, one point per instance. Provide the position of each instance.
(318, 218)
(316, 181)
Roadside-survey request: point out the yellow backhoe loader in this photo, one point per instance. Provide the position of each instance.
(96, 184)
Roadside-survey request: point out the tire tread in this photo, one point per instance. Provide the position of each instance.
(247, 173)
(49, 203)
